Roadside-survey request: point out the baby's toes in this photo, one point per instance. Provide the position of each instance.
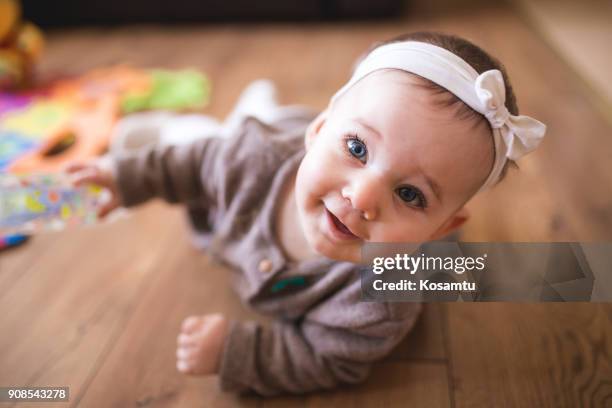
(186, 357)
(191, 324)
(188, 360)
(187, 340)
(185, 354)
(184, 366)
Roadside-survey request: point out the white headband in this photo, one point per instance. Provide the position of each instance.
(514, 136)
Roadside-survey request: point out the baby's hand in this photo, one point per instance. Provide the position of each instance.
(98, 172)
(200, 344)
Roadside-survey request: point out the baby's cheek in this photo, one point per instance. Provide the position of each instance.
(305, 183)
(314, 177)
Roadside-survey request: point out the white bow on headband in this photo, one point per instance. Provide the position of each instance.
(514, 136)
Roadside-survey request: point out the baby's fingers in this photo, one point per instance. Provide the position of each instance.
(88, 177)
(108, 207)
(73, 167)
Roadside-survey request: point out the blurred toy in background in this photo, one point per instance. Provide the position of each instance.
(42, 129)
(21, 45)
(45, 126)
(39, 202)
(168, 90)
(73, 119)
(11, 241)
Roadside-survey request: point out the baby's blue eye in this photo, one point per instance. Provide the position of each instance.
(409, 194)
(357, 148)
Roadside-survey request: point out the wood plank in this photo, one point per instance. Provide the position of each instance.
(426, 340)
(141, 368)
(581, 33)
(531, 355)
(66, 311)
(16, 262)
(391, 384)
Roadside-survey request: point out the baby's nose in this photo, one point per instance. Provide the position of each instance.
(364, 195)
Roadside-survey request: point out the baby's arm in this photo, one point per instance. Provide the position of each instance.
(335, 343)
(174, 173)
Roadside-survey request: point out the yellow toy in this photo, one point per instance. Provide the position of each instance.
(10, 12)
(21, 45)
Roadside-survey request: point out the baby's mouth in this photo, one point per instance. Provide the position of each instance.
(342, 229)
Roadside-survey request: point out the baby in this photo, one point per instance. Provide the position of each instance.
(426, 122)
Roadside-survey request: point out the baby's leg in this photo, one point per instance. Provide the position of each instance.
(259, 99)
(199, 344)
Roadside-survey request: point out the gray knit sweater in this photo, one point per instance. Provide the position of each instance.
(323, 334)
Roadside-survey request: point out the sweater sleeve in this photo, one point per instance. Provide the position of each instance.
(182, 173)
(334, 344)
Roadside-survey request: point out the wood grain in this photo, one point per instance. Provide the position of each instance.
(70, 303)
(552, 355)
(426, 341)
(397, 384)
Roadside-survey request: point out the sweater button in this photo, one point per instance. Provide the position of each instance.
(265, 266)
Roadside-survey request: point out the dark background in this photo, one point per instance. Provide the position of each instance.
(73, 12)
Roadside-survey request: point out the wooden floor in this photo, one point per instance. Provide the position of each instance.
(581, 34)
(98, 309)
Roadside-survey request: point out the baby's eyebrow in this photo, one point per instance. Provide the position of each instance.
(368, 127)
(435, 187)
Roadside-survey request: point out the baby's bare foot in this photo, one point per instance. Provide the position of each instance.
(200, 343)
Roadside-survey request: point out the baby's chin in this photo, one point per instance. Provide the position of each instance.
(337, 252)
(354, 257)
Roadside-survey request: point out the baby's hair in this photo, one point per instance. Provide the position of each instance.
(479, 59)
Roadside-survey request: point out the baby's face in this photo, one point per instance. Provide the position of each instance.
(386, 164)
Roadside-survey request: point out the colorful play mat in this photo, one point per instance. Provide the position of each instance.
(70, 119)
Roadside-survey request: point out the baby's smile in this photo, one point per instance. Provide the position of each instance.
(338, 229)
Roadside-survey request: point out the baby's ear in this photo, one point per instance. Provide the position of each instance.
(313, 129)
(454, 222)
